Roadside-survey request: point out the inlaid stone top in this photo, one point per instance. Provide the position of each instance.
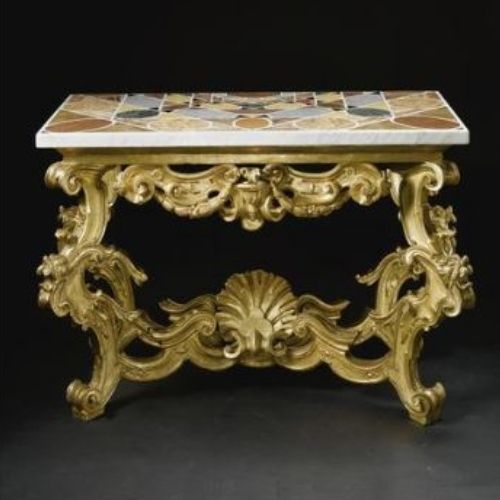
(253, 119)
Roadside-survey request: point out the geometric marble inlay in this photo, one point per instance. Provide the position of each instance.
(253, 118)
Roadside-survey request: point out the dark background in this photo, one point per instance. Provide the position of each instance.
(246, 433)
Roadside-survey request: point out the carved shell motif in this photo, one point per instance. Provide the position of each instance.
(255, 314)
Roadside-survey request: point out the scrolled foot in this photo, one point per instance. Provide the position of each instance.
(86, 402)
(425, 406)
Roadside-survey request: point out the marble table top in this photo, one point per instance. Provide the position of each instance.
(253, 119)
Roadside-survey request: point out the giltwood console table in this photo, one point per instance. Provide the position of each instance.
(376, 144)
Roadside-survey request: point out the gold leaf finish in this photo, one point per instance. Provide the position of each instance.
(255, 315)
(256, 319)
(252, 194)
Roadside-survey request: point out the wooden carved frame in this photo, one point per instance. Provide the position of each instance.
(256, 319)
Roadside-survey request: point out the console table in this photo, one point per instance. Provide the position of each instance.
(247, 147)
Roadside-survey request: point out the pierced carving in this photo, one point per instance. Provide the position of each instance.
(253, 194)
(256, 319)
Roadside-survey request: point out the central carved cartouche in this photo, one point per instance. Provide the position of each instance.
(255, 315)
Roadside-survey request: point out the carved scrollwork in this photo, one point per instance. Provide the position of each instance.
(313, 194)
(65, 290)
(86, 222)
(256, 319)
(189, 195)
(253, 194)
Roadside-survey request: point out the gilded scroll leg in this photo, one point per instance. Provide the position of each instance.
(107, 317)
(424, 404)
(88, 401)
(110, 318)
(65, 289)
(431, 253)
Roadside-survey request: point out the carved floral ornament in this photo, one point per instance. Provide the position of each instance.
(256, 319)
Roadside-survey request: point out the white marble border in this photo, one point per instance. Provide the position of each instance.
(199, 138)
